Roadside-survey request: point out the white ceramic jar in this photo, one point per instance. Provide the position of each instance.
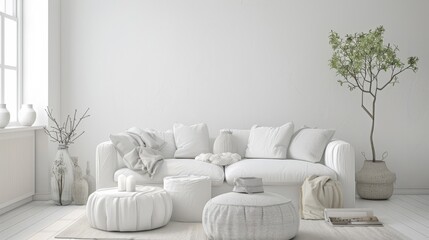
(4, 116)
(26, 115)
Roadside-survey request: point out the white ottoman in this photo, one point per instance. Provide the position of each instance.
(250, 216)
(147, 208)
(189, 195)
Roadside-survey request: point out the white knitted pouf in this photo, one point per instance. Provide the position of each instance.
(250, 216)
(147, 208)
(189, 195)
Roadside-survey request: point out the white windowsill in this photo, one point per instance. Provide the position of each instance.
(11, 129)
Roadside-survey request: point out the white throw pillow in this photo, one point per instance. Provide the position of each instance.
(269, 142)
(309, 144)
(191, 140)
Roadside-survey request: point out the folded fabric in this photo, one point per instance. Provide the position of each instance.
(248, 185)
(318, 193)
(220, 159)
(150, 139)
(142, 158)
(139, 149)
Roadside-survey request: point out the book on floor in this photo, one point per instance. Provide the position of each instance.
(349, 217)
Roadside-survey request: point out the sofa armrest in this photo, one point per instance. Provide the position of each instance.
(105, 165)
(340, 157)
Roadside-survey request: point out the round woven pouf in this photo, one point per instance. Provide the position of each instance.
(146, 208)
(250, 216)
(189, 195)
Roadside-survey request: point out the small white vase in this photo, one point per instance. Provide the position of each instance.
(224, 143)
(80, 186)
(4, 116)
(89, 179)
(26, 115)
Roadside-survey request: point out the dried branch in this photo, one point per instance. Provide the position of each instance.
(65, 133)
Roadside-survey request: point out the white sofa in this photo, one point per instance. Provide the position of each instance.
(281, 176)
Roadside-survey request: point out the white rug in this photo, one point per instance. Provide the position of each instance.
(308, 230)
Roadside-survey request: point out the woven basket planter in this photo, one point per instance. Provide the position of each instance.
(375, 181)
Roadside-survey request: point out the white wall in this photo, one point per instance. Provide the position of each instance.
(233, 63)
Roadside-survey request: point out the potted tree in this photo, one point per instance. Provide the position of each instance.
(366, 64)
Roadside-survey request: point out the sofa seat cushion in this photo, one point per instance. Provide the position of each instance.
(277, 172)
(174, 167)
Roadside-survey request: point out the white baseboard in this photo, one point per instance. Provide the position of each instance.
(42, 197)
(15, 204)
(411, 191)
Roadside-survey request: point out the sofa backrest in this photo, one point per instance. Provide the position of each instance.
(240, 138)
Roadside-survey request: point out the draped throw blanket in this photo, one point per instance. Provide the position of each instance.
(318, 193)
(139, 149)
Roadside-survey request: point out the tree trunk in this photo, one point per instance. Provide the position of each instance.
(372, 130)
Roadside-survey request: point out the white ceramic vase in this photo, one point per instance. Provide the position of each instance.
(89, 179)
(224, 143)
(80, 186)
(26, 115)
(4, 116)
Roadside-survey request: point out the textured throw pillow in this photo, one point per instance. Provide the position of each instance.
(191, 140)
(308, 144)
(269, 142)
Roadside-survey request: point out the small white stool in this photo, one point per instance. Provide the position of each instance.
(146, 208)
(189, 195)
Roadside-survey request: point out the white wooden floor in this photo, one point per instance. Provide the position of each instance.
(408, 214)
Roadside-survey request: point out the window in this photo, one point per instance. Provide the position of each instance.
(10, 52)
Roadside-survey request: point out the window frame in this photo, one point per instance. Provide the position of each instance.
(19, 60)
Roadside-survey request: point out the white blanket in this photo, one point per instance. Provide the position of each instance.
(220, 159)
(144, 156)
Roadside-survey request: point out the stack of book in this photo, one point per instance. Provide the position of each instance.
(351, 217)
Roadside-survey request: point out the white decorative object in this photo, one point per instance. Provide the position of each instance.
(131, 184)
(122, 183)
(257, 216)
(308, 144)
(220, 159)
(147, 208)
(4, 116)
(191, 140)
(62, 177)
(189, 195)
(224, 143)
(26, 115)
(80, 186)
(241, 139)
(89, 179)
(269, 142)
(248, 185)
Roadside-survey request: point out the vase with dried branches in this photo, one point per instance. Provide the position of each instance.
(366, 64)
(62, 168)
